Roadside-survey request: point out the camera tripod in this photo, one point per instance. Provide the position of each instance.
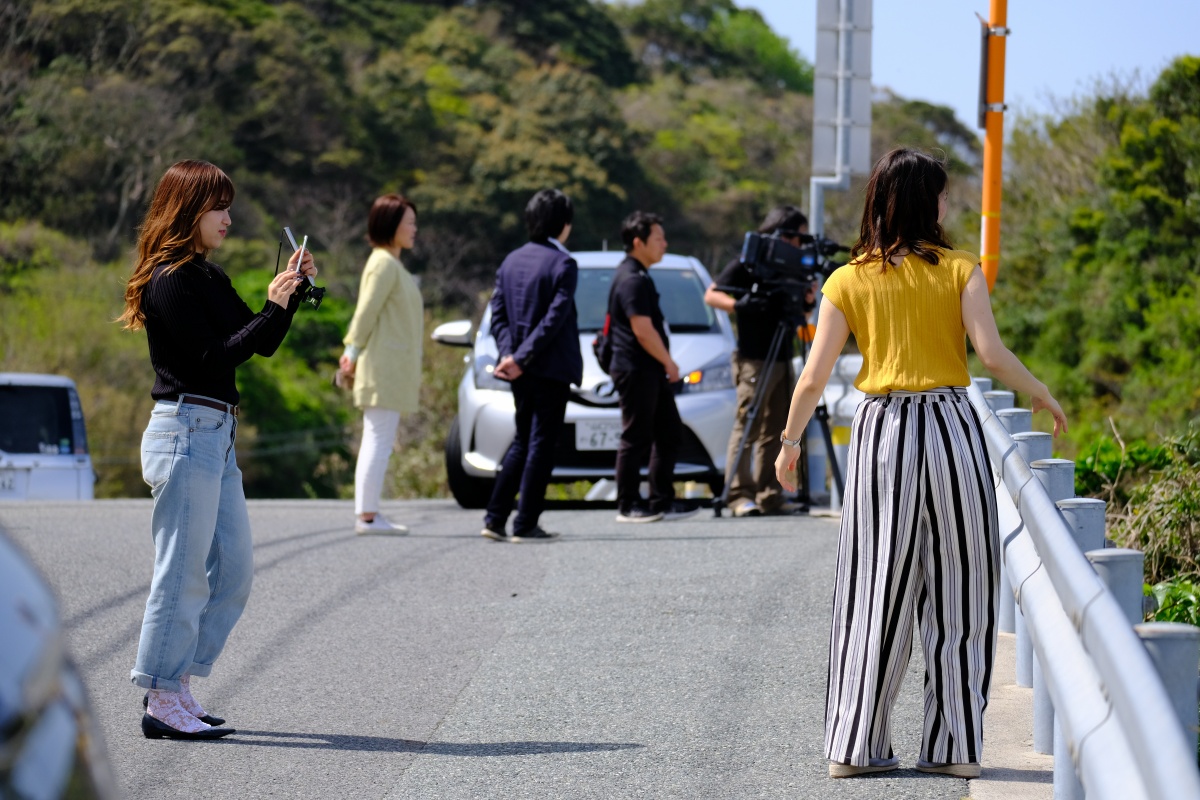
(821, 414)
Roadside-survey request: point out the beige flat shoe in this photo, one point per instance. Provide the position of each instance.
(957, 770)
(837, 770)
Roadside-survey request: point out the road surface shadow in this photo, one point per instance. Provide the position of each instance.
(335, 741)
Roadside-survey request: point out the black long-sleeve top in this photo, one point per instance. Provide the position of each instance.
(199, 330)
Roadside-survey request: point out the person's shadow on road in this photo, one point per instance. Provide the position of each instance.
(335, 741)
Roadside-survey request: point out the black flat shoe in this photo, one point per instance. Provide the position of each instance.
(207, 719)
(155, 729)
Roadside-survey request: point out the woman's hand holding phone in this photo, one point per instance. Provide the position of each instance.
(283, 286)
(307, 267)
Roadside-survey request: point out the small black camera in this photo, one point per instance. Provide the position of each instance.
(310, 293)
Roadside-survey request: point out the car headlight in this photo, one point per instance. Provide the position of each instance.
(484, 367)
(709, 378)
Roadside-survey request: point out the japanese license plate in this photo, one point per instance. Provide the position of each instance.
(12, 485)
(597, 434)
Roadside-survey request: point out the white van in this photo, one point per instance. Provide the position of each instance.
(43, 442)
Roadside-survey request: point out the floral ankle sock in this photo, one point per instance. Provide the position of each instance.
(166, 707)
(189, 703)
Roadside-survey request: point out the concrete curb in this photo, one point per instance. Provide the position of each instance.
(1011, 770)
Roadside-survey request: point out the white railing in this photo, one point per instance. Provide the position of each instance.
(1112, 712)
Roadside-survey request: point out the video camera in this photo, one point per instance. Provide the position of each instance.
(780, 267)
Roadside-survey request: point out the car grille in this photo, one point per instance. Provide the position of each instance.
(691, 451)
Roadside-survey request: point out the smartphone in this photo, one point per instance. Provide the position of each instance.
(292, 240)
(300, 260)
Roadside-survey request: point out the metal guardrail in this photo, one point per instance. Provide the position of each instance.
(1113, 713)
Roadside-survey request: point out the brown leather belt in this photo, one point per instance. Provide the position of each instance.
(204, 401)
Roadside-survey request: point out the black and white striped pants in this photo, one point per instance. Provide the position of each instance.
(919, 533)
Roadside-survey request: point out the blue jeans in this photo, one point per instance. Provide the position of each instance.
(203, 553)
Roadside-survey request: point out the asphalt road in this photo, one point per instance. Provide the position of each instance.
(672, 660)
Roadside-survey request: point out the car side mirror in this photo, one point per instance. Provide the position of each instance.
(454, 334)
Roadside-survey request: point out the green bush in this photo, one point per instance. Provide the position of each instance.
(1109, 468)
(1162, 515)
(1178, 601)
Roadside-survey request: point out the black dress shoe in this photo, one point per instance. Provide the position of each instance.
(535, 535)
(157, 729)
(207, 719)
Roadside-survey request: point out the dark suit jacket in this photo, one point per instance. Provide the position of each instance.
(533, 312)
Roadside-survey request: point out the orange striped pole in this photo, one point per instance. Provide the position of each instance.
(993, 143)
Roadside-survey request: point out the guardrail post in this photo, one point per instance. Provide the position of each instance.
(1057, 476)
(1032, 447)
(1066, 782)
(1175, 650)
(1122, 571)
(1085, 519)
(1016, 420)
(984, 384)
(999, 399)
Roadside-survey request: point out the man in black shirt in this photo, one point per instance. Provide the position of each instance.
(755, 490)
(643, 371)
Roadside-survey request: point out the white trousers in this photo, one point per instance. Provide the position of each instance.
(379, 434)
(919, 539)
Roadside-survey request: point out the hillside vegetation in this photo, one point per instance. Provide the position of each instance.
(692, 108)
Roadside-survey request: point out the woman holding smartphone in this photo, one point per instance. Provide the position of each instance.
(198, 330)
(919, 531)
(383, 353)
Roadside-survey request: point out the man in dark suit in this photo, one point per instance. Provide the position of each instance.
(537, 336)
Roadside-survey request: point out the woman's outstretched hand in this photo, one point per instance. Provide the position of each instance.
(1047, 402)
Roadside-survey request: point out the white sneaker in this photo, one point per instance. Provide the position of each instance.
(380, 526)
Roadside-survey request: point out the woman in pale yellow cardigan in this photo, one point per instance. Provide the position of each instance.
(383, 353)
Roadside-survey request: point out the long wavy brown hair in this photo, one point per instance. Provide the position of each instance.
(901, 209)
(169, 234)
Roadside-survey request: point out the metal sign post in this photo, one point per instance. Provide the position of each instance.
(841, 101)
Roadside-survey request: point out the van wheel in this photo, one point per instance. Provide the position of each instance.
(468, 490)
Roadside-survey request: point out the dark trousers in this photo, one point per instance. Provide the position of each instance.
(541, 404)
(650, 425)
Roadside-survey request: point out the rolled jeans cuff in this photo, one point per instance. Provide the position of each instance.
(198, 670)
(145, 681)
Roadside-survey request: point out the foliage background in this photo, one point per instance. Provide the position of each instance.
(692, 108)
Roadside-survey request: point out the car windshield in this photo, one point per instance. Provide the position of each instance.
(680, 291)
(35, 419)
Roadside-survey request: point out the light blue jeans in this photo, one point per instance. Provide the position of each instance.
(203, 553)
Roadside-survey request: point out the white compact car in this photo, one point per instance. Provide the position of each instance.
(702, 343)
(43, 441)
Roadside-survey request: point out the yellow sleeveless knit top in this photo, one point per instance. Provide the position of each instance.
(907, 320)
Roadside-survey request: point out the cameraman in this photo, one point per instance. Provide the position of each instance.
(754, 490)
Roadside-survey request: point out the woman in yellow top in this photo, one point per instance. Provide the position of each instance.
(383, 353)
(919, 531)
